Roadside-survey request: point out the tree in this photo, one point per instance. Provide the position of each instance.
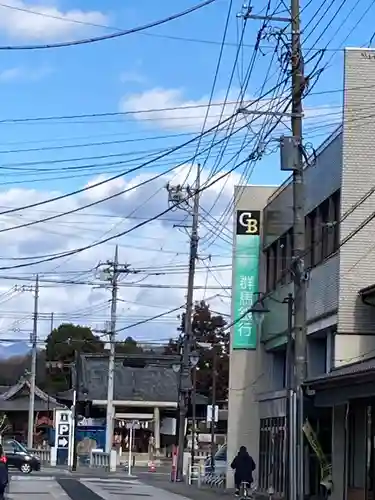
(128, 346)
(209, 328)
(4, 425)
(63, 341)
(61, 345)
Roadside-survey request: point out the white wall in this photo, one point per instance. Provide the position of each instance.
(244, 373)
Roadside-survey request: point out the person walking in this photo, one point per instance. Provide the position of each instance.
(4, 477)
(243, 466)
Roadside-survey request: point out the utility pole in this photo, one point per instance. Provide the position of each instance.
(112, 355)
(113, 271)
(292, 159)
(213, 404)
(299, 242)
(194, 416)
(180, 198)
(77, 382)
(290, 424)
(34, 335)
(52, 322)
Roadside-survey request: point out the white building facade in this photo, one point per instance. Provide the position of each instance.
(340, 254)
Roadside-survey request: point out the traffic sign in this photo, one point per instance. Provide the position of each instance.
(64, 429)
(62, 442)
(64, 417)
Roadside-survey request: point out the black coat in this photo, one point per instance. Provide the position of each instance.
(4, 478)
(244, 466)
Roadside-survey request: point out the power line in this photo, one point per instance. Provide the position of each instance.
(110, 36)
(120, 113)
(123, 233)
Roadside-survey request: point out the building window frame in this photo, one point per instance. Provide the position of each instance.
(272, 455)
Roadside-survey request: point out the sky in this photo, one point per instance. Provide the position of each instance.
(47, 148)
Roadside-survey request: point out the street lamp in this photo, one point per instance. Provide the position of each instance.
(259, 311)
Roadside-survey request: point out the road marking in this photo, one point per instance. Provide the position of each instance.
(32, 478)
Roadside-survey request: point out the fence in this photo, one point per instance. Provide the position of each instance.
(198, 475)
(44, 455)
(214, 480)
(102, 460)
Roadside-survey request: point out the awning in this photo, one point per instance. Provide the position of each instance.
(352, 381)
(367, 295)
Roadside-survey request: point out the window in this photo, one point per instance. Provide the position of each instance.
(283, 258)
(310, 238)
(322, 230)
(272, 455)
(326, 228)
(336, 219)
(322, 240)
(289, 253)
(271, 268)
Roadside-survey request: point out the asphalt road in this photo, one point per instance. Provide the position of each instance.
(85, 488)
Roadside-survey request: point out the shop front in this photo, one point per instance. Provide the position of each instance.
(349, 393)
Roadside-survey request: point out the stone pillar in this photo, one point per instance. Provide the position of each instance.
(157, 430)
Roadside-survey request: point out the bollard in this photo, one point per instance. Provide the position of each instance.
(112, 460)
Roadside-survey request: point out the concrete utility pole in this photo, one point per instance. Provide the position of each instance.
(292, 159)
(299, 242)
(113, 271)
(112, 354)
(76, 396)
(180, 197)
(34, 335)
(213, 404)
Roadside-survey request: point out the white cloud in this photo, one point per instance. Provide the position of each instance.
(173, 117)
(46, 22)
(132, 77)
(178, 112)
(23, 74)
(155, 245)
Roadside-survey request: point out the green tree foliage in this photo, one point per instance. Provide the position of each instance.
(63, 341)
(61, 345)
(208, 327)
(128, 346)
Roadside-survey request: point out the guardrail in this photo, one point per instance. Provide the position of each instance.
(101, 460)
(44, 455)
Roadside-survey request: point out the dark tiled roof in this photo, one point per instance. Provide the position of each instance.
(151, 383)
(12, 398)
(349, 370)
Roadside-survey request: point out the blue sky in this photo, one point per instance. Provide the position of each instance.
(94, 78)
(139, 71)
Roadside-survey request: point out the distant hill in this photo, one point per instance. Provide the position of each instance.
(13, 350)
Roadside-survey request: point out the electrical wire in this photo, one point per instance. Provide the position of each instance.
(110, 36)
(123, 233)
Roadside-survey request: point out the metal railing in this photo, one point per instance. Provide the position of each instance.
(99, 459)
(44, 455)
(214, 480)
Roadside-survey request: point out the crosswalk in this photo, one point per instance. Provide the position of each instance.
(84, 488)
(42, 488)
(111, 489)
(127, 489)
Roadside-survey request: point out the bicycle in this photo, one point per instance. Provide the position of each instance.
(245, 490)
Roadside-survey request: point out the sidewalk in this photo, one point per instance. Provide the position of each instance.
(192, 492)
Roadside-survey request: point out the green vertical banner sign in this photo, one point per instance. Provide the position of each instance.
(246, 274)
